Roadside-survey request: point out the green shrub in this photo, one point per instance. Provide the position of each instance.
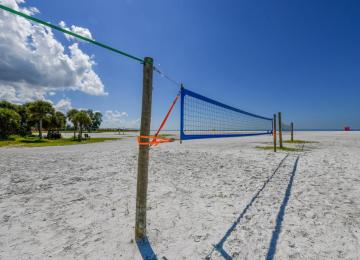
(9, 122)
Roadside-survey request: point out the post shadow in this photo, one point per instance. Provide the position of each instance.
(280, 217)
(219, 246)
(145, 249)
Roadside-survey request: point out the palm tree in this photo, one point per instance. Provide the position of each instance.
(60, 120)
(39, 110)
(71, 116)
(25, 120)
(54, 123)
(96, 119)
(83, 120)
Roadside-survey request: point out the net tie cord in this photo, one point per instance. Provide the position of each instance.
(155, 140)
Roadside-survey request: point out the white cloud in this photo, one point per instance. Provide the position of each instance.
(7, 93)
(63, 105)
(33, 63)
(116, 119)
(76, 29)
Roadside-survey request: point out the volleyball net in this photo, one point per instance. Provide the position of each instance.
(286, 127)
(202, 117)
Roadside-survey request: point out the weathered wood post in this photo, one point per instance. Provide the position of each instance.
(280, 130)
(143, 159)
(274, 131)
(292, 132)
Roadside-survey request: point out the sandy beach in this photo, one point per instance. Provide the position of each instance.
(208, 199)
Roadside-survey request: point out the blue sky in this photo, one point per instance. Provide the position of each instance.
(298, 57)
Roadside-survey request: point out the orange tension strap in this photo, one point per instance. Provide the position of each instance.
(155, 139)
(167, 115)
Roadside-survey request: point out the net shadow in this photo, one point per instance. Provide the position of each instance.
(145, 249)
(281, 214)
(219, 246)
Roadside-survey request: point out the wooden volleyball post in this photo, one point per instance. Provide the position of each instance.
(280, 131)
(292, 132)
(274, 131)
(143, 159)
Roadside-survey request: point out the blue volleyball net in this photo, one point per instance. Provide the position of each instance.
(202, 117)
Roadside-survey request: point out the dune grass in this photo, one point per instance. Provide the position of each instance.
(284, 148)
(169, 136)
(288, 149)
(299, 142)
(36, 142)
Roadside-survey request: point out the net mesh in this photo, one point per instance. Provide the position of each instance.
(202, 117)
(286, 127)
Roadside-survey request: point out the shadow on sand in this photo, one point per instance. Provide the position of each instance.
(219, 246)
(147, 252)
(280, 217)
(145, 249)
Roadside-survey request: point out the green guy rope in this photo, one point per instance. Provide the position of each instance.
(69, 32)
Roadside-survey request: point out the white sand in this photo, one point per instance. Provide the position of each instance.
(77, 202)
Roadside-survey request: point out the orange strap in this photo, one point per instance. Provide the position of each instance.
(167, 115)
(153, 140)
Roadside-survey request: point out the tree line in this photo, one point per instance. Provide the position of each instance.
(21, 119)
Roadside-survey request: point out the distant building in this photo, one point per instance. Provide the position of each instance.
(347, 128)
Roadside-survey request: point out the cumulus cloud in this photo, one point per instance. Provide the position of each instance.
(63, 105)
(76, 29)
(116, 119)
(34, 64)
